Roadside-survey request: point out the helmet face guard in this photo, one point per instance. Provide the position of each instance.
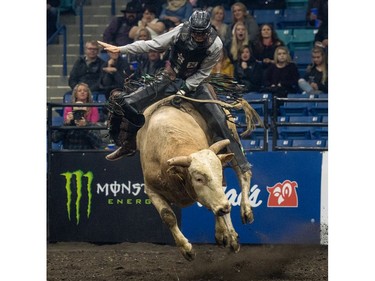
(200, 25)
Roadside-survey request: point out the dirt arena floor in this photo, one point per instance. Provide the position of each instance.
(152, 262)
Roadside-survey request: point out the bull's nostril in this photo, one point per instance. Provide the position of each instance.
(223, 211)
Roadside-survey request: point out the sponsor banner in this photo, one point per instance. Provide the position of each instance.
(285, 196)
(94, 200)
(91, 199)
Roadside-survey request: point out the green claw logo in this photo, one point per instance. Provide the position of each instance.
(68, 186)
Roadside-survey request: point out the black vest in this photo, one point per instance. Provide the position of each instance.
(186, 55)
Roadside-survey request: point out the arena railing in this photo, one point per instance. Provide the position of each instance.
(277, 102)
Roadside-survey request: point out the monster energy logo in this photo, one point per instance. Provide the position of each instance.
(68, 186)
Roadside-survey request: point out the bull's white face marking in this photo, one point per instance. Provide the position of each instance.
(206, 177)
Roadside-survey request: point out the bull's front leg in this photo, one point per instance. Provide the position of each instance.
(169, 218)
(225, 235)
(244, 181)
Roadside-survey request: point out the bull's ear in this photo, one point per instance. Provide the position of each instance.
(224, 158)
(183, 161)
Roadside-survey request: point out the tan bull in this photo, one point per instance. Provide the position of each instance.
(181, 166)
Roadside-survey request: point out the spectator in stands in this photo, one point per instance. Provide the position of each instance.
(52, 10)
(282, 76)
(217, 20)
(82, 93)
(248, 71)
(148, 21)
(175, 12)
(224, 65)
(321, 37)
(156, 4)
(240, 14)
(136, 59)
(151, 65)
(114, 73)
(80, 117)
(239, 38)
(88, 68)
(117, 32)
(210, 4)
(316, 77)
(319, 5)
(265, 45)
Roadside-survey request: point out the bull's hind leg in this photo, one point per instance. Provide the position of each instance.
(169, 218)
(225, 234)
(244, 179)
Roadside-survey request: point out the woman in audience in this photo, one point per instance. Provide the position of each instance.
(248, 71)
(79, 116)
(175, 12)
(265, 45)
(217, 20)
(148, 21)
(240, 37)
(282, 76)
(315, 80)
(240, 14)
(81, 93)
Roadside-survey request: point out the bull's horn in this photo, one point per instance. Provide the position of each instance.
(183, 161)
(217, 146)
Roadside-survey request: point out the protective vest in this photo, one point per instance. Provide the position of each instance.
(186, 55)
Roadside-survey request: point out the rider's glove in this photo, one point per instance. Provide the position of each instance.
(183, 90)
(180, 92)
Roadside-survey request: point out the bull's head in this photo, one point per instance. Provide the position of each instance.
(205, 169)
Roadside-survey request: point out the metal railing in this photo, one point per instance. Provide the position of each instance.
(61, 30)
(277, 102)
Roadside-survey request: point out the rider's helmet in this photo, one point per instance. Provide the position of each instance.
(200, 25)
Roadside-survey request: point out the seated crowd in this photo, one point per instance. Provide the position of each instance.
(253, 55)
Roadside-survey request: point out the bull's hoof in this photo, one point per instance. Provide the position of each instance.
(235, 246)
(247, 216)
(226, 239)
(188, 252)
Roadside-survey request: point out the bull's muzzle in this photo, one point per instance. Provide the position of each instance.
(223, 210)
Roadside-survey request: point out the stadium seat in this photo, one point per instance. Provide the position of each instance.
(302, 96)
(302, 57)
(258, 134)
(101, 98)
(57, 120)
(304, 119)
(285, 35)
(290, 133)
(319, 108)
(269, 16)
(309, 143)
(292, 19)
(323, 96)
(295, 108)
(228, 16)
(284, 143)
(249, 145)
(255, 96)
(67, 97)
(320, 133)
(325, 118)
(303, 38)
(296, 4)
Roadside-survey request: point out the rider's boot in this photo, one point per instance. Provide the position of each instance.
(217, 121)
(124, 119)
